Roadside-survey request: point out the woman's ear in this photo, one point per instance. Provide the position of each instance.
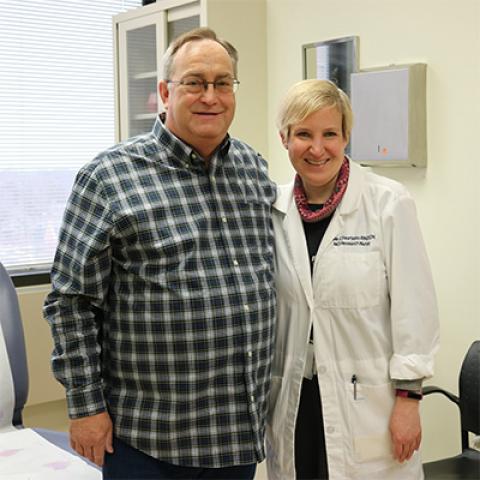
(284, 140)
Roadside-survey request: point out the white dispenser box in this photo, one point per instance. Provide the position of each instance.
(389, 116)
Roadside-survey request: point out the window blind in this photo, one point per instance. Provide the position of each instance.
(56, 114)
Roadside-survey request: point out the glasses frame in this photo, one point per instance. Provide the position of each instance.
(205, 85)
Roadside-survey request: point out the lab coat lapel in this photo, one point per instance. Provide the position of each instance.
(335, 228)
(348, 205)
(293, 227)
(295, 239)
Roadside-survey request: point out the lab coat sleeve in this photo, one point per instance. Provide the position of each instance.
(413, 310)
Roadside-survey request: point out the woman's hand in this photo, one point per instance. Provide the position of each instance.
(405, 428)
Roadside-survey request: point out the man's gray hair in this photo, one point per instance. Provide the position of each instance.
(196, 35)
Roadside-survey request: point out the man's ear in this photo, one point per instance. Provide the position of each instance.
(164, 92)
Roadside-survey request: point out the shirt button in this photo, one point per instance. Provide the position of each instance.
(246, 308)
(224, 219)
(322, 369)
(214, 179)
(193, 156)
(252, 398)
(235, 262)
(330, 429)
(249, 354)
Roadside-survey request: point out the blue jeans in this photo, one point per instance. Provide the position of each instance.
(128, 463)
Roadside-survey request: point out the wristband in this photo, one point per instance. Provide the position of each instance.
(408, 394)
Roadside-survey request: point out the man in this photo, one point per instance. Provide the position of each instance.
(162, 305)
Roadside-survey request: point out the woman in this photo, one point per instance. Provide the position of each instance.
(357, 316)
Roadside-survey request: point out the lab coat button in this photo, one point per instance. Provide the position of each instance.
(322, 370)
(330, 429)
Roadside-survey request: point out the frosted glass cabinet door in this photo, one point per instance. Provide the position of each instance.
(141, 78)
(141, 46)
(178, 26)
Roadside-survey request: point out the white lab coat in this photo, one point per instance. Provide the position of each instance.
(372, 304)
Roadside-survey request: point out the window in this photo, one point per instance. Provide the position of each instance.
(56, 114)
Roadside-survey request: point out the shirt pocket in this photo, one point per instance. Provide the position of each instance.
(370, 408)
(350, 280)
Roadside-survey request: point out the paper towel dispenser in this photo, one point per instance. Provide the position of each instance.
(389, 116)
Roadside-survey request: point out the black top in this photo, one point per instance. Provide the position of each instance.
(314, 232)
(310, 451)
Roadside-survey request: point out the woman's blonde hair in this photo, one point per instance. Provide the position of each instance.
(308, 96)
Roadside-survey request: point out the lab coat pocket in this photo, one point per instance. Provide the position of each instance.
(370, 409)
(350, 279)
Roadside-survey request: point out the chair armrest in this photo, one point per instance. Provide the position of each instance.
(434, 389)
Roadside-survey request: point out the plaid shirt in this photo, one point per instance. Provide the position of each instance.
(162, 307)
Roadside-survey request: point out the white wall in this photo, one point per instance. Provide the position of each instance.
(39, 345)
(242, 22)
(445, 34)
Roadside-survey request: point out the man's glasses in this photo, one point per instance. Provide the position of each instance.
(197, 85)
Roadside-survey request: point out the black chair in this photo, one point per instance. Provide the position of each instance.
(467, 464)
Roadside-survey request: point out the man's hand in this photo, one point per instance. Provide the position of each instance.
(92, 436)
(405, 428)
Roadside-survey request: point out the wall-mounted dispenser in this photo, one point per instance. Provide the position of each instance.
(389, 108)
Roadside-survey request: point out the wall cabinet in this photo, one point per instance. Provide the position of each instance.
(141, 37)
